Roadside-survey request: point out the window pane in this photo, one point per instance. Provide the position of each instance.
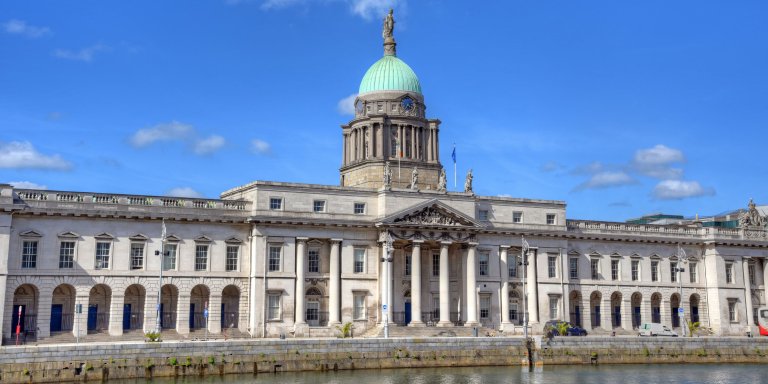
(169, 259)
(274, 258)
(201, 257)
(137, 256)
(359, 260)
(102, 255)
(29, 254)
(233, 252)
(67, 254)
(483, 263)
(313, 258)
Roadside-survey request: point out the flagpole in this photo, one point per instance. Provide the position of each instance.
(453, 156)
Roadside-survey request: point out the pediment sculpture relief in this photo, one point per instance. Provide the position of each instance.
(752, 217)
(430, 215)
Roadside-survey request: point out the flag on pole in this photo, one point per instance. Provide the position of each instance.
(162, 236)
(526, 247)
(453, 156)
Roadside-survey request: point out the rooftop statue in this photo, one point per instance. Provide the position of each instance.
(442, 182)
(415, 178)
(389, 26)
(751, 218)
(468, 182)
(387, 175)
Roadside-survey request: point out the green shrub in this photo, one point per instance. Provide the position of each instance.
(152, 336)
(173, 362)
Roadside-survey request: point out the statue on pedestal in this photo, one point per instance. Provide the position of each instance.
(468, 182)
(387, 176)
(442, 182)
(415, 179)
(751, 218)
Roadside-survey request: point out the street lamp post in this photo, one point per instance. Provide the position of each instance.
(387, 259)
(158, 326)
(682, 258)
(524, 263)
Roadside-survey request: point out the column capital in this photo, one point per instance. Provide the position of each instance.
(504, 247)
(336, 241)
(445, 243)
(417, 242)
(473, 244)
(302, 239)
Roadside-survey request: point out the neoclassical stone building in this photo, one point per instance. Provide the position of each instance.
(274, 257)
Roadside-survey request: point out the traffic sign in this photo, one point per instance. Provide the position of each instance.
(205, 313)
(680, 310)
(384, 307)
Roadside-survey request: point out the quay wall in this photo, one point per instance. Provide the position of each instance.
(103, 361)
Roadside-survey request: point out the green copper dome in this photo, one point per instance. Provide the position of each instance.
(390, 74)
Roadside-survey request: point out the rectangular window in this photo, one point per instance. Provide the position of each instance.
(552, 266)
(29, 254)
(67, 254)
(732, 311)
(485, 307)
(233, 257)
(201, 257)
(169, 259)
(407, 265)
(274, 258)
(273, 307)
(615, 269)
(751, 273)
(673, 271)
(594, 267)
(435, 264)
(102, 255)
(654, 270)
(551, 219)
(729, 273)
(517, 217)
(573, 268)
(635, 270)
(137, 255)
(318, 206)
(313, 258)
(553, 307)
(482, 263)
(276, 203)
(359, 208)
(359, 260)
(482, 214)
(512, 267)
(692, 272)
(359, 307)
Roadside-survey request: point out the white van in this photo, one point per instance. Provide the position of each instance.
(656, 329)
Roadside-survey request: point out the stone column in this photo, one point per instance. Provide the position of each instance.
(116, 312)
(646, 313)
(666, 312)
(334, 293)
(80, 321)
(626, 313)
(765, 276)
(504, 294)
(149, 323)
(747, 291)
(416, 285)
(533, 288)
(214, 313)
(383, 284)
(606, 313)
(182, 313)
(301, 251)
(445, 299)
(471, 286)
(586, 310)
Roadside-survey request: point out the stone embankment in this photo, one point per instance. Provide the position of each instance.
(68, 362)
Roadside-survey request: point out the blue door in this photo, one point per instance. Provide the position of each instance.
(695, 314)
(93, 310)
(191, 315)
(656, 318)
(163, 322)
(577, 315)
(407, 312)
(126, 316)
(223, 318)
(56, 313)
(617, 315)
(636, 317)
(596, 320)
(15, 318)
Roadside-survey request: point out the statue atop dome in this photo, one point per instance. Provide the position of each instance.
(386, 33)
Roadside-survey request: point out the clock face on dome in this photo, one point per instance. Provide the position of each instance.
(407, 103)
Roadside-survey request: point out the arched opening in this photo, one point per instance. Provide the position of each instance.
(674, 304)
(315, 317)
(99, 300)
(169, 297)
(133, 307)
(574, 300)
(230, 307)
(24, 311)
(62, 308)
(694, 303)
(656, 308)
(198, 300)
(616, 310)
(637, 299)
(515, 316)
(594, 304)
(406, 308)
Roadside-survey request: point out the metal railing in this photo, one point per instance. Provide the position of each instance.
(168, 320)
(136, 321)
(230, 319)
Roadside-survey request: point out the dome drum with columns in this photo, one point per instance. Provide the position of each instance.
(390, 124)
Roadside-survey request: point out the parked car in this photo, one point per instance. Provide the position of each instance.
(656, 329)
(573, 330)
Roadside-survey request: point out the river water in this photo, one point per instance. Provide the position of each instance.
(602, 374)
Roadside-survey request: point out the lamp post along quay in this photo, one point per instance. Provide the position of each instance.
(387, 260)
(524, 263)
(161, 253)
(682, 258)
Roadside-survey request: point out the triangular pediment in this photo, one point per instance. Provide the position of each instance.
(69, 235)
(431, 213)
(139, 237)
(30, 233)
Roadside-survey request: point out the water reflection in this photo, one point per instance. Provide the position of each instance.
(604, 374)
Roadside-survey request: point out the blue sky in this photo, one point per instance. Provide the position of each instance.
(619, 108)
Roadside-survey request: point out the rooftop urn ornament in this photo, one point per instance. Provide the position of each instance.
(387, 175)
(468, 182)
(415, 179)
(441, 182)
(386, 33)
(751, 218)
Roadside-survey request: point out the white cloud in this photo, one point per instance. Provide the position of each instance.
(656, 162)
(370, 8)
(678, 189)
(20, 27)
(606, 179)
(346, 106)
(85, 54)
(209, 145)
(260, 147)
(162, 132)
(270, 4)
(17, 154)
(26, 185)
(183, 192)
(550, 166)
(367, 9)
(589, 169)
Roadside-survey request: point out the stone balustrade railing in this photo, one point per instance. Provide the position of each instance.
(601, 227)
